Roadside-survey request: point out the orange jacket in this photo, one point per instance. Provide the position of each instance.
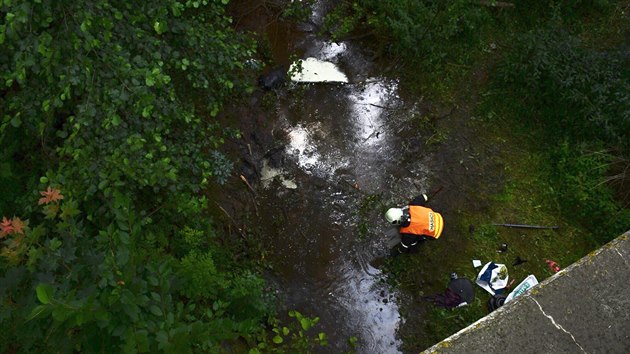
(424, 221)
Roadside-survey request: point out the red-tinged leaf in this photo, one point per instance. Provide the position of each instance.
(6, 226)
(18, 225)
(50, 195)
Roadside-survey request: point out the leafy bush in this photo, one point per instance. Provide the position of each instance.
(108, 108)
(578, 92)
(578, 100)
(416, 31)
(578, 176)
(100, 86)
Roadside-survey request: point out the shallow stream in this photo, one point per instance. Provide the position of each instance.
(335, 146)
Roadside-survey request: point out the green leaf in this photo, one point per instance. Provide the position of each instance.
(69, 209)
(305, 323)
(55, 244)
(159, 27)
(156, 310)
(44, 293)
(38, 311)
(278, 339)
(16, 121)
(60, 313)
(142, 339)
(51, 210)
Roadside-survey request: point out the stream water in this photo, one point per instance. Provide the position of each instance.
(335, 144)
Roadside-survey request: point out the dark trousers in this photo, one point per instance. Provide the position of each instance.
(408, 243)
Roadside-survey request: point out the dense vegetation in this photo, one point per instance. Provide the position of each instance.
(558, 86)
(108, 139)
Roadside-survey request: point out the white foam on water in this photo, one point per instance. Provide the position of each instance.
(268, 174)
(315, 70)
(330, 50)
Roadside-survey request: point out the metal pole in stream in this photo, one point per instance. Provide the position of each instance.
(528, 226)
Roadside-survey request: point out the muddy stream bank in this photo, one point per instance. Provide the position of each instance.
(323, 161)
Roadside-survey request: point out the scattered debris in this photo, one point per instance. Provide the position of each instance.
(496, 301)
(503, 248)
(518, 261)
(493, 277)
(553, 266)
(521, 288)
(459, 292)
(476, 263)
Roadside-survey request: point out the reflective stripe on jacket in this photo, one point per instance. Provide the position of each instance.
(424, 221)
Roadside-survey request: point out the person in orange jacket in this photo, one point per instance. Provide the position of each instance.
(416, 223)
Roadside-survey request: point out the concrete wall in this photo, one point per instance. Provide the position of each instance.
(584, 308)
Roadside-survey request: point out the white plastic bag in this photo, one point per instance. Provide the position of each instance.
(498, 278)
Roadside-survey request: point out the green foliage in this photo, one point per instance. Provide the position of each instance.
(203, 280)
(420, 32)
(99, 86)
(577, 98)
(293, 338)
(298, 11)
(579, 93)
(110, 105)
(578, 175)
(533, 12)
(97, 292)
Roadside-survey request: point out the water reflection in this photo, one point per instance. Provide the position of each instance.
(338, 133)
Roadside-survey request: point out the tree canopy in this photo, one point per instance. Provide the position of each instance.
(107, 109)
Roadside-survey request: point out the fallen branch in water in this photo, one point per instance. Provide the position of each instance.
(233, 222)
(528, 226)
(355, 186)
(248, 185)
(253, 193)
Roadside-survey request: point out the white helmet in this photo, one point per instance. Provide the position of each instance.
(394, 215)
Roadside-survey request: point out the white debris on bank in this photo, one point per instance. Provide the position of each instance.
(315, 70)
(268, 174)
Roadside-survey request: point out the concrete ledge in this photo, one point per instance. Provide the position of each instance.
(584, 308)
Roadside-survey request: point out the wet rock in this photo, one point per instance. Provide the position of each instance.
(275, 156)
(250, 172)
(273, 80)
